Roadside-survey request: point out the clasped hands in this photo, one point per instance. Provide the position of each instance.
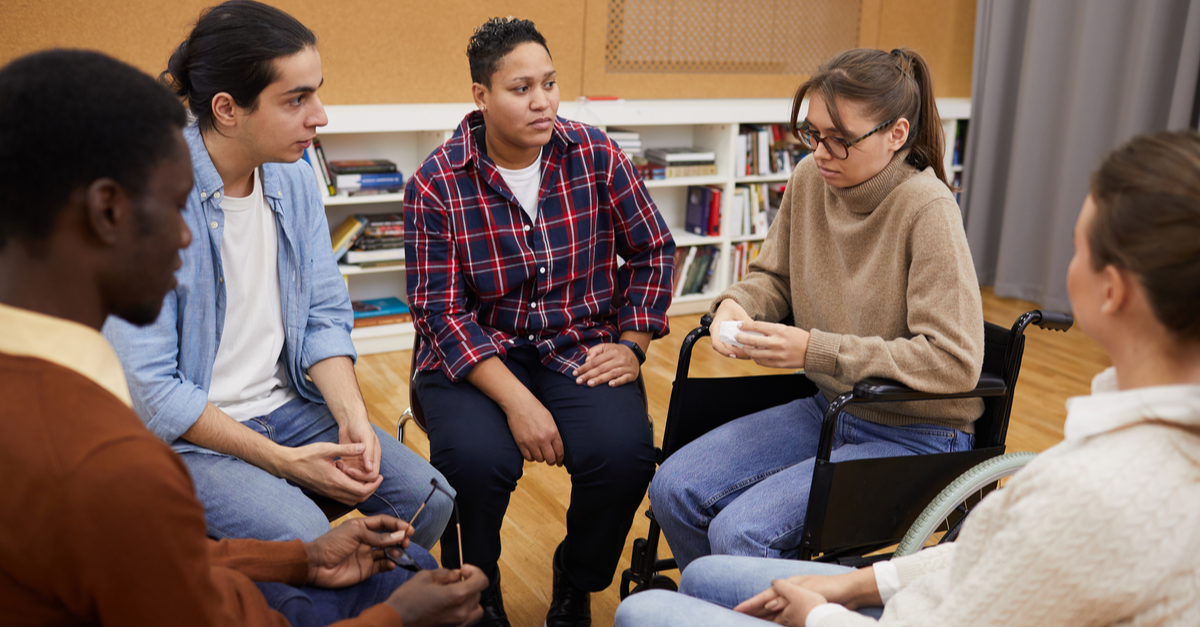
(347, 472)
(779, 346)
(354, 551)
(788, 601)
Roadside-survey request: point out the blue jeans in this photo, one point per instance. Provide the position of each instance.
(316, 607)
(713, 584)
(242, 500)
(742, 489)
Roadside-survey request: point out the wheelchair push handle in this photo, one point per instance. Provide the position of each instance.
(1052, 320)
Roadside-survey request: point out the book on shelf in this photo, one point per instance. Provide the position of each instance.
(697, 270)
(368, 233)
(680, 155)
(380, 254)
(375, 307)
(670, 172)
(376, 243)
(381, 320)
(703, 213)
(676, 162)
(345, 234)
(630, 142)
(743, 253)
(361, 166)
(385, 181)
(754, 207)
(765, 149)
(384, 225)
(322, 166)
(619, 134)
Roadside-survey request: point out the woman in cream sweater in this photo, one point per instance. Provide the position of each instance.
(1103, 528)
(869, 255)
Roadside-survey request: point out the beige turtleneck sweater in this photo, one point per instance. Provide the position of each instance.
(881, 275)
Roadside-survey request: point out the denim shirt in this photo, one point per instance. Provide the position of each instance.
(169, 363)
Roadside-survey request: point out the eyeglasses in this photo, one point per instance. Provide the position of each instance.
(836, 146)
(399, 556)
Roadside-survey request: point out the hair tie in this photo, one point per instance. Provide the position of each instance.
(905, 62)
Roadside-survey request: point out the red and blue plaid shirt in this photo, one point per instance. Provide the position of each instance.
(482, 277)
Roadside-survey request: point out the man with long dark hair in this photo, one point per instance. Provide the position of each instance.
(98, 520)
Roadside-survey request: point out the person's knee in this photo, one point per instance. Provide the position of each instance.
(421, 557)
(638, 609)
(732, 534)
(669, 487)
(474, 465)
(703, 574)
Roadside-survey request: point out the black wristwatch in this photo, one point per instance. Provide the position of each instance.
(637, 350)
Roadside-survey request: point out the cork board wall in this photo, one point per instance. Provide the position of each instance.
(411, 51)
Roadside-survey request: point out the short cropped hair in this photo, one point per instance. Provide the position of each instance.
(68, 118)
(493, 40)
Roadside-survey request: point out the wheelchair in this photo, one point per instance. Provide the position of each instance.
(890, 493)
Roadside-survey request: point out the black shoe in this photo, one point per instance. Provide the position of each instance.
(493, 606)
(570, 606)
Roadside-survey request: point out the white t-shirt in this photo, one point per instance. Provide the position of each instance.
(249, 379)
(525, 184)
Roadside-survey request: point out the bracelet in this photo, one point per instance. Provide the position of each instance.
(637, 350)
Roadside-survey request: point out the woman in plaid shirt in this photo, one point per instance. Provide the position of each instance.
(534, 332)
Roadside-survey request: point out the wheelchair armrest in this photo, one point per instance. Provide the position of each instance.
(880, 389)
(876, 389)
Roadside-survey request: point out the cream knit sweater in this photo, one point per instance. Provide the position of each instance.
(881, 275)
(1102, 529)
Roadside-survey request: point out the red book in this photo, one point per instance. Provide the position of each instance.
(714, 212)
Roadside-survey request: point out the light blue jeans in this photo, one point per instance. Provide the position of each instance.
(244, 501)
(742, 489)
(712, 586)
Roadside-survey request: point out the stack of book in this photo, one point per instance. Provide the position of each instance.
(703, 210)
(763, 149)
(370, 240)
(754, 207)
(354, 177)
(694, 269)
(366, 176)
(673, 162)
(377, 311)
(742, 254)
(629, 141)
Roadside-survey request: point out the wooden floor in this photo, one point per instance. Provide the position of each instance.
(1056, 366)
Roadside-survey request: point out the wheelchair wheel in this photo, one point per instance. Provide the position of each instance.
(951, 506)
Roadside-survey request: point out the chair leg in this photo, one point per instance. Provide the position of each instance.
(405, 417)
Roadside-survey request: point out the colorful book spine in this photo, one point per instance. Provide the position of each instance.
(329, 180)
(361, 166)
(390, 180)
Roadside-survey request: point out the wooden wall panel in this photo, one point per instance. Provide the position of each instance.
(372, 52)
(406, 51)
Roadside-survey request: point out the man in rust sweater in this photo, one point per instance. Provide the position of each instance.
(99, 523)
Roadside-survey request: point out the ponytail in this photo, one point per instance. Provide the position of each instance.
(233, 49)
(888, 86)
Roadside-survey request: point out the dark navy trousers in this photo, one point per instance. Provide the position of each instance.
(608, 450)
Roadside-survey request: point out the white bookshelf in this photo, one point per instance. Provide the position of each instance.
(406, 134)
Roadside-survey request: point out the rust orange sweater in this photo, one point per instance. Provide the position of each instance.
(99, 523)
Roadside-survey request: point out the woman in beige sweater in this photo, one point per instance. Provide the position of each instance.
(869, 255)
(1103, 528)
